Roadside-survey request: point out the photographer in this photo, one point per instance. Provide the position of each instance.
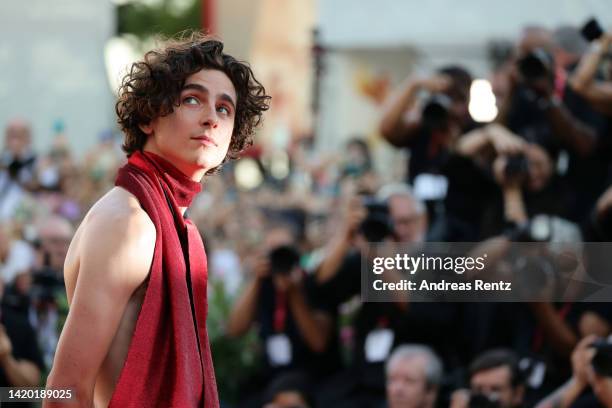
(376, 325)
(494, 172)
(428, 130)
(495, 381)
(296, 333)
(591, 368)
(584, 79)
(21, 361)
(533, 108)
(584, 172)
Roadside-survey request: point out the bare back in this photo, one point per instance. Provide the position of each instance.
(111, 253)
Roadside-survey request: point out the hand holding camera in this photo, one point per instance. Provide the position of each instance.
(258, 265)
(285, 268)
(435, 84)
(581, 360)
(537, 72)
(354, 215)
(504, 141)
(510, 171)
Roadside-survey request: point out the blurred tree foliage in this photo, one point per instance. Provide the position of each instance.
(167, 17)
(235, 359)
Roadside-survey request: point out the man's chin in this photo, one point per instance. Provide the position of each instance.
(203, 160)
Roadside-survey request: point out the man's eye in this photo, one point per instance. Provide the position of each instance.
(190, 100)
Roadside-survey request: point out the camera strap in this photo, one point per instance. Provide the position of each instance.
(280, 312)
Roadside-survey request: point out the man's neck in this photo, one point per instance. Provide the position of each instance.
(194, 173)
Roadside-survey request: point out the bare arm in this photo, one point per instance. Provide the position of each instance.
(598, 93)
(514, 205)
(494, 136)
(20, 373)
(337, 251)
(570, 130)
(565, 395)
(393, 125)
(243, 313)
(342, 242)
(557, 331)
(108, 275)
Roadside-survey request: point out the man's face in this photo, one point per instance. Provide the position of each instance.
(287, 399)
(17, 138)
(407, 384)
(195, 137)
(408, 224)
(460, 103)
(496, 383)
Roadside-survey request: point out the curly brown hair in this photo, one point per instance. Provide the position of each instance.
(152, 87)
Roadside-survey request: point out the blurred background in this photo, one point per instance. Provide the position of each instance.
(390, 121)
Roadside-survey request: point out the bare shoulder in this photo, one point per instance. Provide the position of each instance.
(119, 234)
(119, 208)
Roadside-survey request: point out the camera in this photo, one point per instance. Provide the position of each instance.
(534, 271)
(377, 224)
(516, 167)
(541, 264)
(602, 360)
(591, 30)
(283, 259)
(478, 400)
(536, 65)
(436, 111)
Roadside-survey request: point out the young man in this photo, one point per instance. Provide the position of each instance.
(136, 269)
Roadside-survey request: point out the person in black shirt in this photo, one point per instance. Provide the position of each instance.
(428, 131)
(375, 326)
(21, 361)
(294, 326)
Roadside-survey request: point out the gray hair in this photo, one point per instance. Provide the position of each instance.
(433, 369)
(386, 192)
(569, 39)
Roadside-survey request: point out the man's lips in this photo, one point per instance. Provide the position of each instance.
(205, 140)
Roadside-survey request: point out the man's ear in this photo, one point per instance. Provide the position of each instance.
(147, 128)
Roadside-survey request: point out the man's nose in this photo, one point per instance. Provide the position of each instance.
(209, 117)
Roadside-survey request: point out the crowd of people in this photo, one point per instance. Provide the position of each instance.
(286, 256)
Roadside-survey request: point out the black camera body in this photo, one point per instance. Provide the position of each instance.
(377, 224)
(517, 166)
(283, 259)
(436, 111)
(591, 30)
(602, 360)
(536, 65)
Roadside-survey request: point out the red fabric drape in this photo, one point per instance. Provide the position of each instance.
(169, 362)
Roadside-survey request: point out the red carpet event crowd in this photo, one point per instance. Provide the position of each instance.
(286, 323)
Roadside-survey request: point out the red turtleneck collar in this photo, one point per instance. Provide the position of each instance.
(182, 188)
